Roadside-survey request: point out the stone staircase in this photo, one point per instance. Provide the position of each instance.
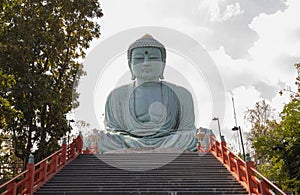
(143, 173)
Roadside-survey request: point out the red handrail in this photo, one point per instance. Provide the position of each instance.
(244, 172)
(38, 174)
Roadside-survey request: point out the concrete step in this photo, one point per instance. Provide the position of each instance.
(189, 173)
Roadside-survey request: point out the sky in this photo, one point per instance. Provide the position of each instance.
(250, 46)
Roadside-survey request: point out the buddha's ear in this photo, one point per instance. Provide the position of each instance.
(161, 76)
(133, 77)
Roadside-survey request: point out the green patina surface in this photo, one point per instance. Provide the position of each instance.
(149, 112)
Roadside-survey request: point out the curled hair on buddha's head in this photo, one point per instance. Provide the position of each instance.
(146, 41)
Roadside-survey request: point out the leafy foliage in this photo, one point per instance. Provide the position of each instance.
(41, 44)
(7, 112)
(297, 95)
(10, 166)
(281, 147)
(278, 143)
(260, 117)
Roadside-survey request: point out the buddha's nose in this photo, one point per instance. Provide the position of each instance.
(146, 59)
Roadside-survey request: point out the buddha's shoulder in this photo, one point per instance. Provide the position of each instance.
(121, 90)
(177, 88)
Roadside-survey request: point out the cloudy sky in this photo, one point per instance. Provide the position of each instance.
(252, 43)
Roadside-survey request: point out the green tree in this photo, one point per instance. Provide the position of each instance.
(259, 117)
(7, 111)
(41, 44)
(279, 144)
(82, 125)
(297, 95)
(281, 148)
(290, 135)
(8, 114)
(9, 164)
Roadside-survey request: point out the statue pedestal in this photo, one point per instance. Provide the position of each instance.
(140, 159)
(146, 150)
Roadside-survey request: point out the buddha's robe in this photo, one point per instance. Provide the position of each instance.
(169, 122)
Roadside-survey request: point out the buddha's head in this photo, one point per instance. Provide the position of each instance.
(146, 59)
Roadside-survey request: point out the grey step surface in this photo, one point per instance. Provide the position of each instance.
(143, 173)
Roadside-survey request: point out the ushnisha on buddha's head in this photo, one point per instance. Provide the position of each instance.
(146, 59)
(148, 113)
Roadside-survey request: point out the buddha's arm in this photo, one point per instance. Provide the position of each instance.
(111, 122)
(187, 115)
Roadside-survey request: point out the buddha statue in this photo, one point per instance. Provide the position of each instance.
(149, 112)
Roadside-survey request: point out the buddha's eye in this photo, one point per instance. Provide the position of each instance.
(138, 57)
(153, 57)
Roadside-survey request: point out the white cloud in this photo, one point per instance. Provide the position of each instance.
(214, 10)
(269, 68)
(244, 97)
(229, 23)
(253, 43)
(213, 22)
(232, 10)
(211, 9)
(277, 49)
(272, 56)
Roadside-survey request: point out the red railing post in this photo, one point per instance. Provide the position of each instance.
(244, 171)
(12, 187)
(249, 173)
(86, 151)
(264, 187)
(218, 149)
(212, 142)
(72, 150)
(223, 148)
(80, 143)
(232, 165)
(30, 175)
(34, 177)
(54, 161)
(64, 152)
(239, 165)
(43, 171)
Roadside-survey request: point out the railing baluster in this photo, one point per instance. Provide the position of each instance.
(72, 150)
(249, 173)
(243, 171)
(54, 161)
(223, 150)
(231, 162)
(30, 175)
(12, 187)
(26, 178)
(43, 173)
(64, 152)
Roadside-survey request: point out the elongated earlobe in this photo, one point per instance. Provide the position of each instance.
(133, 77)
(161, 76)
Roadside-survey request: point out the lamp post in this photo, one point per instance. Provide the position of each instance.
(235, 128)
(217, 119)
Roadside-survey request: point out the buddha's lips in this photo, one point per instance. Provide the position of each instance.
(147, 69)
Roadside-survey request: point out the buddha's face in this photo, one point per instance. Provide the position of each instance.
(146, 63)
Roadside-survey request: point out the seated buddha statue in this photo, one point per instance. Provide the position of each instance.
(149, 112)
